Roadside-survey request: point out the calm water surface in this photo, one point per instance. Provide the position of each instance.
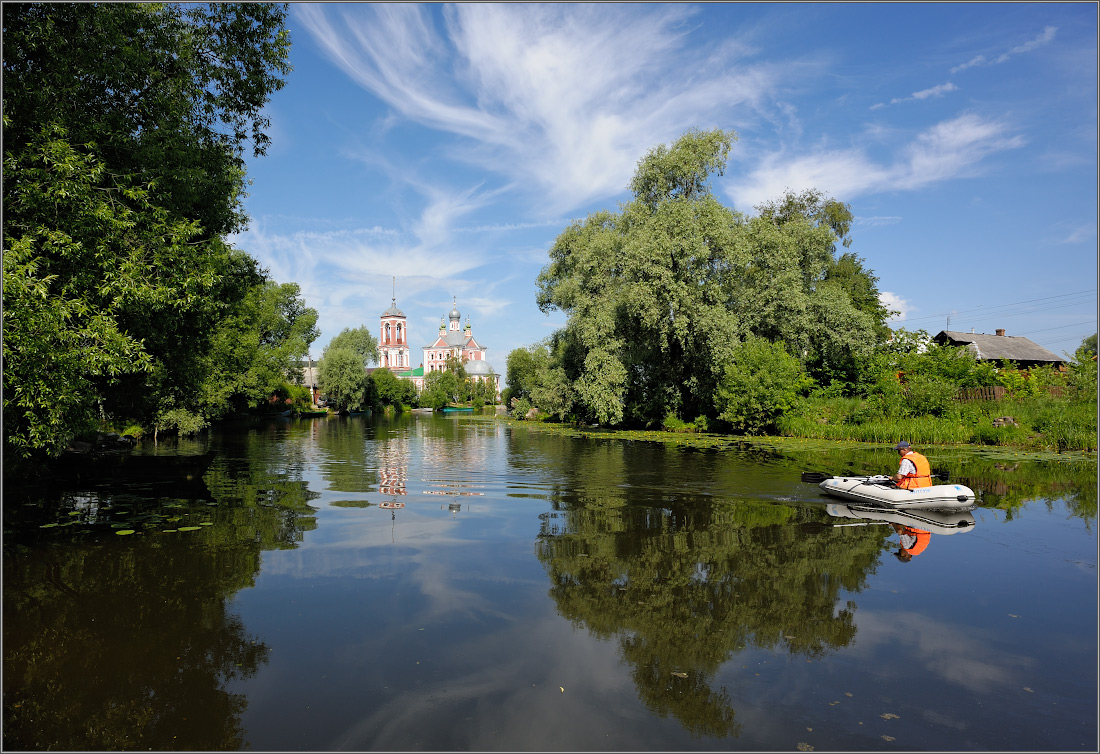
(442, 583)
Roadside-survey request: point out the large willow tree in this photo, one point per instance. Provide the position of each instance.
(659, 294)
(125, 127)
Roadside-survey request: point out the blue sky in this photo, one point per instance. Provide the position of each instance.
(448, 146)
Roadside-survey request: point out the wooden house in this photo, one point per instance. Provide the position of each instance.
(1023, 352)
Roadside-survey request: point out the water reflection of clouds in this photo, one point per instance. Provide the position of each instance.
(499, 701)
(954, 653)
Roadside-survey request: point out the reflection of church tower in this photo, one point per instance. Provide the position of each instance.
(393, 468)
(393, 341)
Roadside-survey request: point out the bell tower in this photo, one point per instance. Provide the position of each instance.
(393, 337)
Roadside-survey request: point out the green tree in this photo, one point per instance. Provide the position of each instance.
(1088, 345)
(658, 294)
(358, 340)
(342, 377)
(536, 377)
(390, 390)
(124, 127)
(170, 93)
(257, 349)
(760, 384)
(643, 290)
(447, 386)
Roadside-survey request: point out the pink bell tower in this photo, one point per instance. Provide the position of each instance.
(393, 340)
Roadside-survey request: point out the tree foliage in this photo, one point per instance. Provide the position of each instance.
(360, 341)
(443, 387)
(257, 349)
(761, 382)
(343, 379)
(659, 294)
(124, 130)
(390, 390)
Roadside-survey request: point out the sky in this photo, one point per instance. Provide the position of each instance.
(433, 153)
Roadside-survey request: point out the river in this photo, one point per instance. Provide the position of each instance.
(461, 583)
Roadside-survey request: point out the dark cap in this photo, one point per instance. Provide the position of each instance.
(900, 445)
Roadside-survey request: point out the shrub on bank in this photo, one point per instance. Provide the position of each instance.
(1042, 422)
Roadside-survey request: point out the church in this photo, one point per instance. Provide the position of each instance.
(453, 340)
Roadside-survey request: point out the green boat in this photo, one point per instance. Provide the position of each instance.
(452, 409)
(311, 414)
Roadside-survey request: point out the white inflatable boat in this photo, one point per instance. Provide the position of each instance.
(881, 491)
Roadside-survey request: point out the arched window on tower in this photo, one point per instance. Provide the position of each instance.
(386, 336)
(398, 332)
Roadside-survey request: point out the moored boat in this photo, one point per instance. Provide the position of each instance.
(881, 491)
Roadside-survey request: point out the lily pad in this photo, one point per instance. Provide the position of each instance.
(190, 528)
(120, 532)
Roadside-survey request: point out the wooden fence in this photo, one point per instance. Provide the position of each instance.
(991, 393)
(997, 392)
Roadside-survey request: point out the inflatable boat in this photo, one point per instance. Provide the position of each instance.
(881, 492)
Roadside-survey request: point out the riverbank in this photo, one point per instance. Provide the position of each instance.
(708, 440)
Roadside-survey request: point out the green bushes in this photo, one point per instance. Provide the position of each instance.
(761, 384)
(1042, 422)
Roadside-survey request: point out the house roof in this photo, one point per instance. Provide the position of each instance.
(997, 347)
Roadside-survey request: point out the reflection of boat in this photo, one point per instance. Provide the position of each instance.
(391, 504)
(880, 491)
(452, 409)
(937, 522)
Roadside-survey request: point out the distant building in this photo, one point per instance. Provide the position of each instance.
(453, 340)
(393, 340)
(1020, 350)
(459, 342)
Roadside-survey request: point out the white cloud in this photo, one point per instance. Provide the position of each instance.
(952, 652)
(877, 221)
(895, 303)
(1046, 36)
(947, 150)
(1080, 234)
(934, 91)
(562, 98)
(976, 60)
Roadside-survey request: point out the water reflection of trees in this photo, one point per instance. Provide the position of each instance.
(110, 646)
(686, 584)
(122, 643)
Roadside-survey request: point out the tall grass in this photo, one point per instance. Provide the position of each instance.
(1041, 423)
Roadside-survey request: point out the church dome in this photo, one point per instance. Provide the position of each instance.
(455, 314)
(478, 368)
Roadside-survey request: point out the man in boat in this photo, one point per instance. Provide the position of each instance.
(914, 470)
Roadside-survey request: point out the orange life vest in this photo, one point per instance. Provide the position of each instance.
(923, 477)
